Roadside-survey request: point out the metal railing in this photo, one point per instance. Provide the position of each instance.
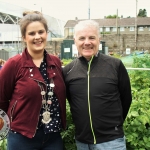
(138, 68)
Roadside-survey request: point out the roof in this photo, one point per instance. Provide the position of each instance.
(56, 26)
(141, 21)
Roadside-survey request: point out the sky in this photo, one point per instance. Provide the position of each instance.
(70, 9)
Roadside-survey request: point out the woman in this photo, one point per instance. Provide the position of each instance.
(32, 91)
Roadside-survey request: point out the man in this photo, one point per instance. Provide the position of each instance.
(99, 93)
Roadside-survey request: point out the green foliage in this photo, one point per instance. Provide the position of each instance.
(140, 80)
(105, 32)
(68, 135)
(66, 61)
(142, 13)
(137, 123)
(116, 55)
(111, 16)
(3, 144)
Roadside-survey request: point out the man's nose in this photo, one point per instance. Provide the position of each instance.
(87, 41)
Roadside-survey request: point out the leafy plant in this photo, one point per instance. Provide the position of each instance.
(3, 144)
(68, 135)
(66, 61)
(137, 123)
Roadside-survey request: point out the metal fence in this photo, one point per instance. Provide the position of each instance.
(4, 54)
(10, 50)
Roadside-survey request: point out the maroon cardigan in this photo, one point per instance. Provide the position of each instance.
(20, 94)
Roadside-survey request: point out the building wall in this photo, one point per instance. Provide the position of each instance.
(68, 32)
(121, 42)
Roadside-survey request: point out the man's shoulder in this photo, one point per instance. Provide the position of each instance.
(69, 66)
(110, 58)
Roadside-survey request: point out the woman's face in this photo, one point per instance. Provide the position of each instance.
(35, 37)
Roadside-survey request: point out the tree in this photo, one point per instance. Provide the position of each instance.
(142, 13)
(112, 16)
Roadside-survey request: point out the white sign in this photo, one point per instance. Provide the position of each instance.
(74, 51)
(128, 50)
(66, 50)
(100, 46)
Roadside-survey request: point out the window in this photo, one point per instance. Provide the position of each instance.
(101, 29)
(141, 29)
(107, 29)
(71, 30)
(121, 28)
(114, 29)
(131, 28)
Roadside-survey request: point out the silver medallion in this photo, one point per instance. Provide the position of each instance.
(49, 102)
(50, 93)
(43, 101)
(52, 85)
(42, 92)
(46, 117)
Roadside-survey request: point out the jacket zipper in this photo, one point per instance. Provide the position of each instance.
(41, 105)
(89, 65)
(12, 110)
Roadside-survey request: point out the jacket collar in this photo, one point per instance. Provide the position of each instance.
(95, 56)
(28, 62)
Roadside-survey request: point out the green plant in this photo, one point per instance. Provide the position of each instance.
(68, 135)
(137, 123)
(3, 144)
(105, 33)
(66, 61)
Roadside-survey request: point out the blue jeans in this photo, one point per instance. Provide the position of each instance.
(117, 144)
(41, 141)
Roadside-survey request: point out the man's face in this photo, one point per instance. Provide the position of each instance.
(87, 41)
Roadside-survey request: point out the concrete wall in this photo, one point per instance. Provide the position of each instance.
(119, 43)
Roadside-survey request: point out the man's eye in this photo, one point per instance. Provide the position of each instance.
(82, 38)
(92, 38)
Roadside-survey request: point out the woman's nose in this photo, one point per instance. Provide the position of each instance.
(37, 36)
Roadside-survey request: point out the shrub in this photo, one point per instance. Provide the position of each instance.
(68, 135)
(137, 123)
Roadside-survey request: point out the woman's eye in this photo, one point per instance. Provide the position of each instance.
(41, 32)
(31, 33)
